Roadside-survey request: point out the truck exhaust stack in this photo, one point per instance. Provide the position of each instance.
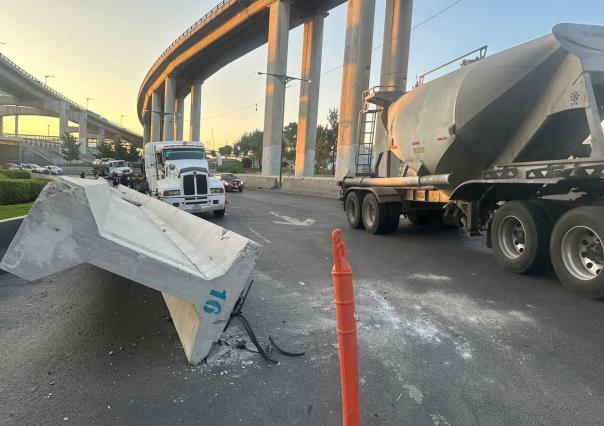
(200, 268)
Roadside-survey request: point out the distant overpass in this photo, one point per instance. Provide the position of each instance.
(23, 94)
(235, 27)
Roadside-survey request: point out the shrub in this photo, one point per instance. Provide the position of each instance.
(247, 163)
(16, 174)
(231, 168)
(17, 191)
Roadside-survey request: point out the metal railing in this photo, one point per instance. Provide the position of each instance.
(20, 136)
(185, 35)
(61, 97)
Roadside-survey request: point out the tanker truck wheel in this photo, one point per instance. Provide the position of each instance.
(380, 218)
(353, 203)
(577, 251)
(520, 236)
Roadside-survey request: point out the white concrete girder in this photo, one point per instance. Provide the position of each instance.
(309, 96)
(278, 34)
(355, 79)
(83, 132)
(63, 119)
(179, 117)
(200, 268)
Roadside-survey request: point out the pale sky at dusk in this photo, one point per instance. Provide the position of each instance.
(102, 50)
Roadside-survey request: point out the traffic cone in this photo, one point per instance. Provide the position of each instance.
(347, 332)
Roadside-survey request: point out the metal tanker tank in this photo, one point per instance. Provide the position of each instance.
(527, 103)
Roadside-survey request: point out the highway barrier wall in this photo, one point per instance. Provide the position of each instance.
(317, 186)
(259, 181)
(200, 268)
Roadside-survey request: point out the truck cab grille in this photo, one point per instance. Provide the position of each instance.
(192, 185)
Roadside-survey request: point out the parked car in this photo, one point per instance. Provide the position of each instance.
(37, 169)
(53, 170)
(231, 182)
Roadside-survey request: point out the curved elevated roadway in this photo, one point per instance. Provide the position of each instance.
(23, 94)
(235, 27)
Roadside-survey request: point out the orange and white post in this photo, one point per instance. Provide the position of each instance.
(347, 332)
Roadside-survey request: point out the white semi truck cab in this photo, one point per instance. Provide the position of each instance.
(177, 172)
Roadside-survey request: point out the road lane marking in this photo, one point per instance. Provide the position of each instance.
(259, 236)
(290, 220)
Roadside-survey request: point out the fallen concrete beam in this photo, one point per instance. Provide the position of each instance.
(311, 185)
(200, 268)
(260, 181)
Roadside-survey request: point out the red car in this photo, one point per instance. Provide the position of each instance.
(231, 182)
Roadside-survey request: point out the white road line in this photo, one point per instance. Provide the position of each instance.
(259, 236)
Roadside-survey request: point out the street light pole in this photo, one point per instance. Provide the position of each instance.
(283, 79)
(122, 120)
(46, 77)
(88, 101)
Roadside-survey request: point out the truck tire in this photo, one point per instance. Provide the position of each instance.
(380, 218)
(218, 213)
(520, 236)
(577, 251)
(353, 203)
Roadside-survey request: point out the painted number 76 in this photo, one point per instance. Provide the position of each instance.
(214, 306)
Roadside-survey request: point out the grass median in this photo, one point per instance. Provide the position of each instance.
(14, 210)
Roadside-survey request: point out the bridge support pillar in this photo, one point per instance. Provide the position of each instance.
(309, 96)
(179, 118)
(101, 137)
(63, 119)
(156, 117)
(395, 60)
(169, 99)
(83, 132)
(1, 125)
(16, 121)
(355, 79)
(195, 129)
(278, 33)
(146, 133)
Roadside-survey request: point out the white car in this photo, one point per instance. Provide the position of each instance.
(53, 170)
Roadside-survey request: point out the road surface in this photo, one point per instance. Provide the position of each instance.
(445, 337)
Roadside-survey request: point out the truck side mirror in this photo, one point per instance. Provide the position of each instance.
(172, 167)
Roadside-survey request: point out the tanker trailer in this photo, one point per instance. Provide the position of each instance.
(510, 145)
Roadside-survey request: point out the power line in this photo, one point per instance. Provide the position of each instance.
(329, 71)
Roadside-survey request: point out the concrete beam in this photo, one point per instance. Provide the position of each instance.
(179, 118)
(195, 122)
(63, 119)
(156, 117)
(278, 34)
(395, 60)
(16, 124)
(200, 268)
(309, 96)
(146, 133)
(169, 99)
(355, 80)
(101, 136)
(83, 132)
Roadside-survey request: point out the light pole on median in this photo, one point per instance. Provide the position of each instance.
(122, 120)
(46, 77)
(88, 102)
(283, 79)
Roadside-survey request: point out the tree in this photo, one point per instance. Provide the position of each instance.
(119, 149)
(225, 150)
(290, 139)
(70, 150)
(250, 144)
(327, 142)
(105, 149)
(133, 153)
(236, 151)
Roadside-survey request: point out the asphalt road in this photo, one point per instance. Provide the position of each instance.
(445, 337)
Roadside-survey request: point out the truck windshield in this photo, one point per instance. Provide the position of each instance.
(184, 154)
(118, 164)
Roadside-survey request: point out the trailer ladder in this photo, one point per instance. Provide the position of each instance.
(365, 138)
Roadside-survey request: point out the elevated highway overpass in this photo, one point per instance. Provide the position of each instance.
(235, 27)
(23, 94)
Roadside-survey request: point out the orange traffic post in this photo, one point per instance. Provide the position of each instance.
(347, 332)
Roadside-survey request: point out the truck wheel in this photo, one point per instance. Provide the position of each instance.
(577, 251)
(353, 203)
(379, 218)
(520, 236)
(218, 213)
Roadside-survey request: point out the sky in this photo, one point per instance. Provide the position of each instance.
(103, 49)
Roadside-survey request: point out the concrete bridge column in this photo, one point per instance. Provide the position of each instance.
(155, 117)
(101, 138)
(355, 79)
(179, 117)
(1, 125)
(16, 121)
(147, 133)
(395, 60)
(63, 119)
(195, 129)
(309, 96)
(278, 33)
(83, 132)
(169, 99)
